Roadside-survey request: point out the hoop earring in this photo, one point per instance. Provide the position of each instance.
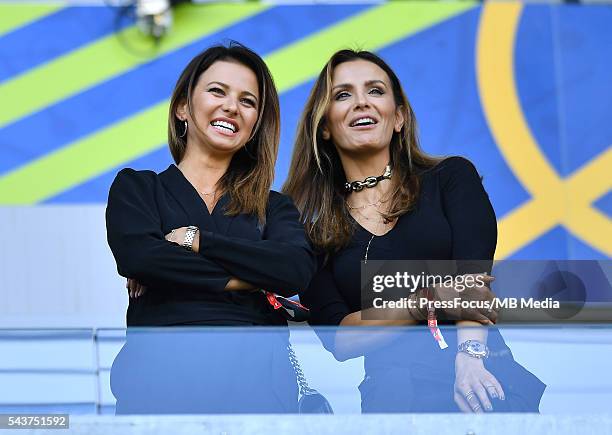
(185, 131)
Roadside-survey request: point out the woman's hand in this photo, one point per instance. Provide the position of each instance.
(475, 385)
(177, 236)
(481, 295)
(135, 289)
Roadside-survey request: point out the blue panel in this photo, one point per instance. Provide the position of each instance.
(579, 250)
(605, 204)
(584, 36)
(436, 68)
(557, 244)
(151, 83)
(550, 246)
(536, 80)
(55, 35)
(96, 189)
(563, 66)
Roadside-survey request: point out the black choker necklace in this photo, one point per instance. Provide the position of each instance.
(356, 186)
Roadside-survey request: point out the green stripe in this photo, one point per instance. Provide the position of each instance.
(388, 23)
(133, 137)
(14, 15)
(80, 161)
(106, 58)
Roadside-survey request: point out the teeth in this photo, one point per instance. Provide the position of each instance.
(224, 124)
(363, 121)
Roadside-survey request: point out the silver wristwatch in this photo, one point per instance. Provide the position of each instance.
(474, 348)
(189, 236)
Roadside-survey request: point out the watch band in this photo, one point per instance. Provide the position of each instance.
(189, 236)
(474, 348)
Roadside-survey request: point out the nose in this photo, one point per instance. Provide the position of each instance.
(230, 105)
(361, 100)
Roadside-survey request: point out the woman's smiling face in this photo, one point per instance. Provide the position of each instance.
(362, 114)
(225, 105)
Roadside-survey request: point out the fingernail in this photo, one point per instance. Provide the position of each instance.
(488, 408)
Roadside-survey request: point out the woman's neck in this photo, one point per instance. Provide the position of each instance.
(203, 170)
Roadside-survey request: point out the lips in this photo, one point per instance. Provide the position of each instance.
(225, 125)
(363, 121)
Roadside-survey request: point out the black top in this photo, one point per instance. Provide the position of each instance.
(184, 287)
(453, 220)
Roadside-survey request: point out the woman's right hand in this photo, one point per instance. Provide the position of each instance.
(135, 289)
(481, 298)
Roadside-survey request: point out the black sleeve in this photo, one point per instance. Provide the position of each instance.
(136, 239)
(470, 215)
(322, 297)
(326, 304)
(283, 262)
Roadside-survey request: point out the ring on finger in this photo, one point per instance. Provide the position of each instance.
(470, 394)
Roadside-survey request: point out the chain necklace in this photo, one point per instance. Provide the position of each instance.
(356, 186)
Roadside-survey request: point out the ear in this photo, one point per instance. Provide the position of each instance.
(181, 110)
(325, 132)
(399, 119)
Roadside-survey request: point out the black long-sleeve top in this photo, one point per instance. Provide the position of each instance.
(184, 287)
(452, 220)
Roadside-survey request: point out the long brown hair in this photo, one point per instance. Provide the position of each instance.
(251, 171)
(316, 176)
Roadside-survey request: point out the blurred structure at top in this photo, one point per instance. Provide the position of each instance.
(154, 17)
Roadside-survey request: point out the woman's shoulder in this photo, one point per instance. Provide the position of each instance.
(134, 180)
(276, 199)
(453, 167)
(134, 173)
(455, 163)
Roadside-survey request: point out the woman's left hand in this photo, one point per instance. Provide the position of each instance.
(475, 385)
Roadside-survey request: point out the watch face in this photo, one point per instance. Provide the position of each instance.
(476, 348)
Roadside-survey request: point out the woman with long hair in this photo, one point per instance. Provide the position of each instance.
(366, 191)
(199, 241)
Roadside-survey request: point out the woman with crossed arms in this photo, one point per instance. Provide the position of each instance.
(199, 240)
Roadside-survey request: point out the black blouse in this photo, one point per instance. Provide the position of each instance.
(184, 287)
(452, 220)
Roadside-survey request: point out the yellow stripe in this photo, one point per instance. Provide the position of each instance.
(554, 200)
(107, 58)
(115, 145)
(15, 15)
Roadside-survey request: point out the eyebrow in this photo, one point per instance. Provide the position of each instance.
(226, 86)
(368, 83)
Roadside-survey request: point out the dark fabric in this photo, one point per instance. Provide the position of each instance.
(185, 287)
(452, 220)
(210, 371)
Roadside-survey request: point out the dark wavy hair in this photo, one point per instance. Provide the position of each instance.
(316, 176)
(251, 171)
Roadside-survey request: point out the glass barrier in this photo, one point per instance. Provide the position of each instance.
(182, 370)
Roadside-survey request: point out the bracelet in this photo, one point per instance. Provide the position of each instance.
(189, 236)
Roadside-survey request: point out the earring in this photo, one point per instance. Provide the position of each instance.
(184, 132)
